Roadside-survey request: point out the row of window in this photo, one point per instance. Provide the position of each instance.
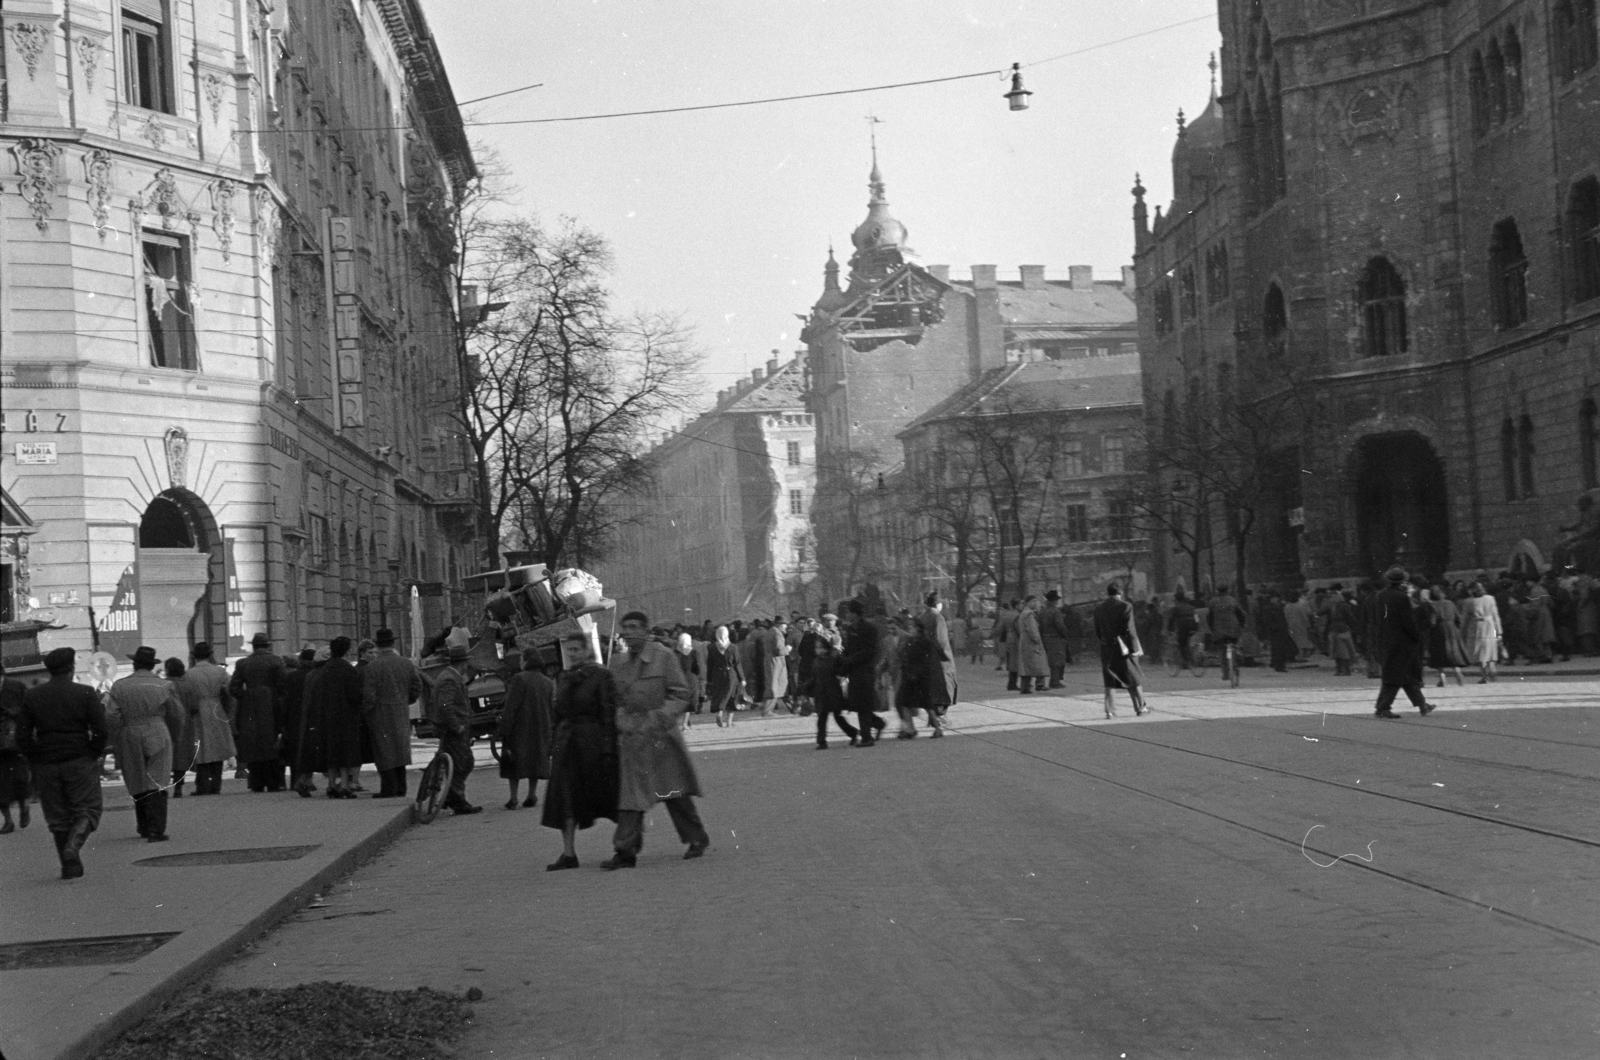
(1494, 82)
(1216, 290)
(1574, 31)
(1074, 525)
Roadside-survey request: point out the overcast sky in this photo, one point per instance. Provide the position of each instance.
(725, 216)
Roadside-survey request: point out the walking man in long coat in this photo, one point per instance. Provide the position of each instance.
(390, 683)
(859, 665)
(1401, 639)
(453, 720)
(209, 706)
(652, 761)
(145, 716)
(62, 729)
(258, 687)
(1119, 648)
(1053, 631)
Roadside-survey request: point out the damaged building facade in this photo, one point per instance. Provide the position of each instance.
(724, 531)
(898, 340)
(1388, 221)
(224, 322)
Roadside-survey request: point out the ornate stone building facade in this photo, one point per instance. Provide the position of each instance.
(1390, 216)
(899, 338)
(224, 320)
(725, 531)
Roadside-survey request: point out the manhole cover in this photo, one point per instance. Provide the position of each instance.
(244, 856)
(67, 953)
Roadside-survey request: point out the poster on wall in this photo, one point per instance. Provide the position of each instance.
(119, 624)
(235, 600)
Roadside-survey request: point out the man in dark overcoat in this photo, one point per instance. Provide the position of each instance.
(390, 683)
(257, 688)
(1053, 631)
(62, 729)
(338, 693)
(652, 761)
(859, 665)
(1401, 641)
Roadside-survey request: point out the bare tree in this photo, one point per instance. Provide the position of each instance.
(851, 483)
(945, 494)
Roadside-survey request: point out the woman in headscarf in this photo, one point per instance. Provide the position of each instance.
(525, 730)
(691, 673)
(583, 763)
(1445, 649)
(724, 676)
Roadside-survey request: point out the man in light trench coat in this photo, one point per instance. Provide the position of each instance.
(652, 760)
(390, 684)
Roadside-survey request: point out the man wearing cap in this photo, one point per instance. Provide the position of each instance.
(62, 729)
(452, 719)
(1053, 631)
(259, 682)
(209, 706)
(390, 683)
(1400, 643)
(145, 716)
(652, 762)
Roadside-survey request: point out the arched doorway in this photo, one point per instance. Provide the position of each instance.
(182, 597)
(1402, 514)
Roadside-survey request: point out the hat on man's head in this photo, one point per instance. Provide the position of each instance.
(1395, 575)
(459, 652)
(1052, 596)
(201, 650)
(61, 660)
(384, 638)
(144, 658)
(260, 640)
(1113, 589)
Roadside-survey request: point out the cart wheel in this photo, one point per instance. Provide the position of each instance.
(433, 787)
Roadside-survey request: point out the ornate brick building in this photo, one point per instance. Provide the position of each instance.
(223, 320)
(1390, 218)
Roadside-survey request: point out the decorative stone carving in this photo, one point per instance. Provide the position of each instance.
(98, 174)
(1375, 110)
(30, 40)
(136, 215)
(222, 223)
(154, 132)
(212, 86)
(269, 224)
(176, 443)
(36, 165)
(162, 194)
(88, 59)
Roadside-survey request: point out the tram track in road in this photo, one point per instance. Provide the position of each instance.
(1279, 770)
(1301, 844)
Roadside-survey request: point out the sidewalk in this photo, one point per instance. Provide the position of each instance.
(82, 961)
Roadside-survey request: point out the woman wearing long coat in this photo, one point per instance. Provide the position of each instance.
(525, 730)
(306, 752)
(1445, 649)
(583, 759)
(724, 676)
(338, 693)
(1481, 631)
(1032, 661)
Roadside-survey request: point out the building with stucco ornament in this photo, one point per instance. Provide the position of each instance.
(224, 332)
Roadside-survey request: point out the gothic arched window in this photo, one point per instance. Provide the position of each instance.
(1478, 90)
(1574, 32)
(1583, 236)
(1589, 443)
(1508, 457)
(1508, 275)
(1494, 68)
(1513, 58)
(1275, 321)
(1382, 297)
(1525, 455)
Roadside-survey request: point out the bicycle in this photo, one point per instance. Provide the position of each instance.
(433, 788)
(1197, 656)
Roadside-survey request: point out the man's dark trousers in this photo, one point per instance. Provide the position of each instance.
(1386, 694)
(69, 793)
(629, 839)
(459, 748)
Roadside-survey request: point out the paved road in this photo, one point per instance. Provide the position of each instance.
(1044, 885)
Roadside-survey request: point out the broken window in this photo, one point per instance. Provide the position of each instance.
(169, 316)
